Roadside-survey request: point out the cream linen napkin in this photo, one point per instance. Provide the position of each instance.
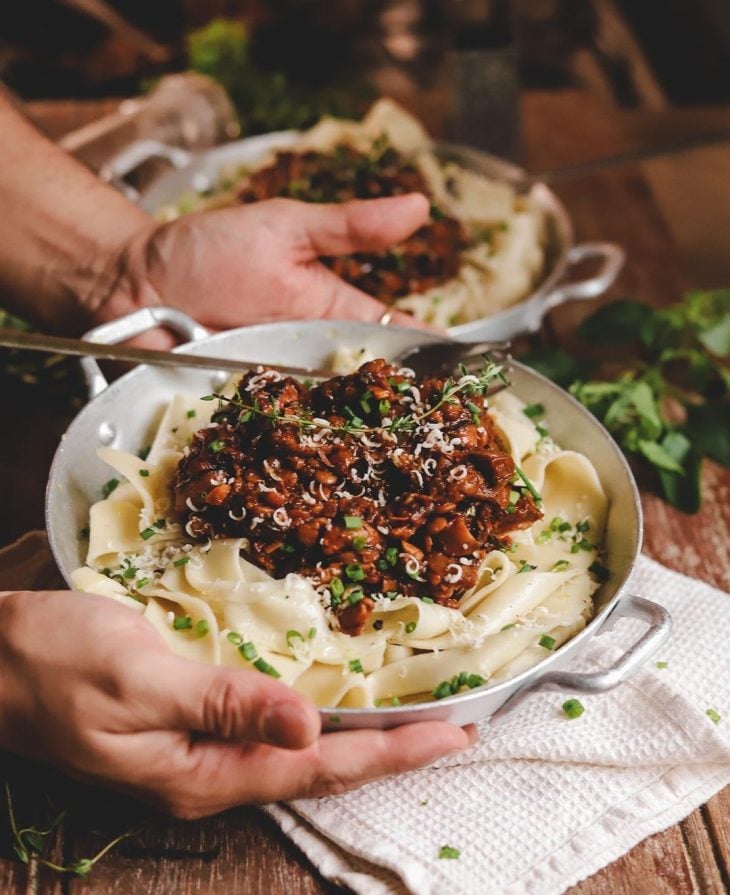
(541, 802)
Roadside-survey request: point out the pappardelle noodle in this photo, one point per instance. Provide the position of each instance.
(371, 540)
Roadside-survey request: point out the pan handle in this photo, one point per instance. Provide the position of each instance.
(122, 164)
(660, 626)
(134, 325)
(610, 258)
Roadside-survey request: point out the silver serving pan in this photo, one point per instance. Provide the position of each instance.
(201, 172)
(125, 413)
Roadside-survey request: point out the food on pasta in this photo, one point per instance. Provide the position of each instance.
(367, 484)
(452, 543)
(482, 249)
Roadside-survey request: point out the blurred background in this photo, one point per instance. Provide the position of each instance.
(555, 85)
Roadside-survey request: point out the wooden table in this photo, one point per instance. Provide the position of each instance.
(242, 851)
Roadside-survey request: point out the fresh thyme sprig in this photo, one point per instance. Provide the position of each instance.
(468, 385)
(29, 842)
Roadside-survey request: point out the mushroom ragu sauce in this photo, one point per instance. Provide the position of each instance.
(371, 484)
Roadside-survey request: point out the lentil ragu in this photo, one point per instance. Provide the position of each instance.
(371, 484)
(427, 258)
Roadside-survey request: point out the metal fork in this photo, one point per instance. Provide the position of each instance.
(443, 358)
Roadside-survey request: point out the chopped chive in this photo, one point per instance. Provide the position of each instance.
(662, 664)
(190, 414)
(391, 594)
(354, 571)
(108, 487)
(182, 623)
(234, 637)
(263, 666)
(208, 398)
(337, 588)
(583, 526)
(547, 642)
(544, 537)
(159, 523)
(442, 691)
(528, 484)
(542, 431)
(145, 452)
(394, 700)
(141, 582)
(247, 650)
(129, 573)
(354, 596)
(84, 533)
(144, 473)
(359, 543)
(353, 522)
(311, 633)
(391, 555)
(383, 407)
(713, 715)
(216, 446)
(448, 852)
(147, 534)
(292, 635)
(182, 561)
(525, 567)
(508, 627)
(561, 565)
(201, 628)
(573, 708)
(410, 627)
(427, 599)
(475, 680)
(356, 666)
(534, 411)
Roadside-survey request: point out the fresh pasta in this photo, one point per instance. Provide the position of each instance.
(532, 588)
(482, 251)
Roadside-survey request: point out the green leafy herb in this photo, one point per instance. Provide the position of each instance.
(147, 533)
(182, 623)
(547, 642)
(713, 715)
(291, 636)
(410, 627)
(448, 852)
(235, 638)
(216, 446)
(661, 665)
(668, 406)
(356, 666)
(183, 560)
(201, 628)
(144, 473)
(353, 522)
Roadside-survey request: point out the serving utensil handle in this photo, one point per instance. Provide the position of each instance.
(134, 325)
(126, 161)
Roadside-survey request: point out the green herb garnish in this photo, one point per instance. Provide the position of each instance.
(573, 708)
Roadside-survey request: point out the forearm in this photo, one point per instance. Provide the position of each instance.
(61, 230)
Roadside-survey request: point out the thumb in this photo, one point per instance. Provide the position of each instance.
(229, 704)
(362, 225)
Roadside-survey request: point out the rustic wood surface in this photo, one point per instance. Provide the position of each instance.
(241, 850)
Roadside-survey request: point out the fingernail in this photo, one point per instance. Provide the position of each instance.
(288, 724)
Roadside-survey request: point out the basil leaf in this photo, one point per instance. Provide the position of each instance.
(659, 456)
(682, 491)
(709, 427)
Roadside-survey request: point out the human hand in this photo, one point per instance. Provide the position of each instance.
(236, 266)
(89, 685)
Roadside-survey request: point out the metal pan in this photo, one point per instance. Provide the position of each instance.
(125, 413)
(198, 173)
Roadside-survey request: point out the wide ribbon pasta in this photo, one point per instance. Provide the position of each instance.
(211, 605)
